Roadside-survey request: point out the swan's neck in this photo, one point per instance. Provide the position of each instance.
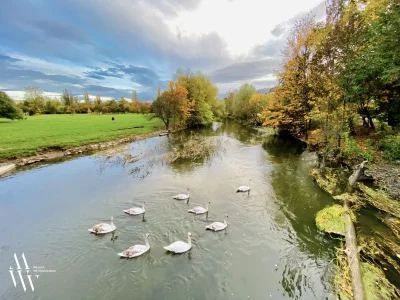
(112, 222)
(206, 206)
(249, 182)
(225, 221)
(188, 193)
(146, 239)
(189, 241)
(143, 205)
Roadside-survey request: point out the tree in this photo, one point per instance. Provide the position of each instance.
(172, 104)
(69, 101)
(98, 105)
(8, 109)
(240, 101)
(294, 96)
(145, 107)
(86, 97)
(376, 69)
(34, 101)
(229, 103)
(201, 92)
(52, 106)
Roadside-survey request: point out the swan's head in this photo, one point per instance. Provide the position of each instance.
(147, 235)
(189, 235)
(188, 189)
(112, 218)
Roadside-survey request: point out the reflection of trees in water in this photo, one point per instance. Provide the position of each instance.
(299, 200)
(139, 158)
(282, 148)
(189, 152)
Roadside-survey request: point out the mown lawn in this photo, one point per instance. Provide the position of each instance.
(22, 138)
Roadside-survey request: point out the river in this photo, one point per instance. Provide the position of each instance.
(270, 250)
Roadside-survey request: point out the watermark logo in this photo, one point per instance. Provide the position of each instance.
(21, 274)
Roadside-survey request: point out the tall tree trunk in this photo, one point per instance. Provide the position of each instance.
(371, 123)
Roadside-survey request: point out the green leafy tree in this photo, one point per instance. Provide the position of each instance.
(86, 97)
(376, 70)
(202, 93)
(240, 101)
(34, 100)
(8, 109)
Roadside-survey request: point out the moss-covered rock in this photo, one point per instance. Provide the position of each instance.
(330, 219)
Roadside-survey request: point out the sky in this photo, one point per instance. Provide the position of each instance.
(113, 47)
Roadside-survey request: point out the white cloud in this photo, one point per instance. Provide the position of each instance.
(241, 23)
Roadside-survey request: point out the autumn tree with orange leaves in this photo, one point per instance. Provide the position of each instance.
(291, 109)
(172, 105)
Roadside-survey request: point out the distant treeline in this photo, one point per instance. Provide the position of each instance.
(36, 103)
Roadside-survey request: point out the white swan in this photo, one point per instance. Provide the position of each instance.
(180, 247)
(103, 227)
(217, 226)
(135, 210)
(182, 196)
(199, 209)
(136, 250)
(243, 188)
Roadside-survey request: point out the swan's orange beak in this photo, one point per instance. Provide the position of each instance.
(190, 236)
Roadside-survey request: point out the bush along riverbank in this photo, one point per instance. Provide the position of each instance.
(367, 253)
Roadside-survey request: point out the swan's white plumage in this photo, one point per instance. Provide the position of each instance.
(244, 188)
(179, 246)
(199, 210)
(182, 196)
(103, 228)
(135, 210)
(217, 226)
(136, 250)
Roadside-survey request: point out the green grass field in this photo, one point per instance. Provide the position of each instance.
(22, 138)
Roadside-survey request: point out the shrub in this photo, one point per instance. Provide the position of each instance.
(391, 149)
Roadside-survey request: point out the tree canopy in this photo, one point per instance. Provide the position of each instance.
(8, 109)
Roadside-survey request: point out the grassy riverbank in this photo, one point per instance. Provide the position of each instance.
(26, 137)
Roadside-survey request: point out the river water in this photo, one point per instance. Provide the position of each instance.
(270, 250)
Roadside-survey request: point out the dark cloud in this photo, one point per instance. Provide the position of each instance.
(271, 48)
(278, 30)
(245, 71)
(141, 75)
(31, 75)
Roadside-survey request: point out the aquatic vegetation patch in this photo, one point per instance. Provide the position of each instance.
(354, 199)
(194, 148)
(394, 224)
(327, 181)
(382, 248)
(376, 285)
(331, 219)
(381, 200)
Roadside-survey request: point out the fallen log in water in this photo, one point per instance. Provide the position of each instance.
(353, 256)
